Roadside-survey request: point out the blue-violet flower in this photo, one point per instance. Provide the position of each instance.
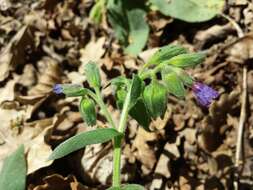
(204, 94)
(58, 89)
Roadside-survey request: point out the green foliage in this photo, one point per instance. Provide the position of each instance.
(96, 12)
(13, 173)
(92, 74)
(140, 113)
(186, 60)
(174, 84)
(136, 89)
(155, 98)
(72, 90)
(81, 140)
(128, 187)
(165, 53)
(190, 10)
(88, 111)
(128, 21)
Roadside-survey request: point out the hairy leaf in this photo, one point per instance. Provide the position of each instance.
(190, 10)
(165, 53)
(92, 74)
(186, 60)
(13, 173)
(81, 140)
(174, 84)
(128, 21)
(155, 99)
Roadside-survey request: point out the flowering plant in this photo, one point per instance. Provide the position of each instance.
(143, 97)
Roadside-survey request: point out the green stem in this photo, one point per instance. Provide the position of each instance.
(105, 111)
(117, 142)
(116, 162)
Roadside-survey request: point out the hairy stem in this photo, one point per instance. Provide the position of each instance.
(117, 142)
(105, 111)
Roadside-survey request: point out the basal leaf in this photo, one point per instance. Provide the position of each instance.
(138, 31)
(88, 111)
(190, 10)
(128, 21)
(92, 74)
(186, 60)
(13, 173)
(165, 53)
(83, 139)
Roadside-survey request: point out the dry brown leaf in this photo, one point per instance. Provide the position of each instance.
(14, 52)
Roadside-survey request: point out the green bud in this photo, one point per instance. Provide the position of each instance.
(88, 111)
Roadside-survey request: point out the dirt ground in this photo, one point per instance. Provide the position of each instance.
(47, 42)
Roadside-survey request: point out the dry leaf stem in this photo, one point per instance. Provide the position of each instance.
(243, 107)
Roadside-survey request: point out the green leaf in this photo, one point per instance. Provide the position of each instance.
(138, 31)
(96, 12)
(128, 21)
(155, 99)
(73, 90)
(13, 173)
(128, 187)
(190, 10)
(165, 53)
(136, 89)
(140, 113)
(120, 97)
(92, 74)
(186, 60)
(88, 111)
(81, 140)
(174, 84)
(132, 187)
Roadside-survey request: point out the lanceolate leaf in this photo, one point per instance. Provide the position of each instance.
(13, 173)
(81, 140)
(165, 53)
(190, 10)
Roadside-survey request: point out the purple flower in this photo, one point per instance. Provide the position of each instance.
(204, 94)
(58, 89)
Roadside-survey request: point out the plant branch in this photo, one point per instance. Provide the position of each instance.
(103, 107)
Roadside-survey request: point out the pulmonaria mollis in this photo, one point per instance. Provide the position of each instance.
(57, 89)
(204, 94)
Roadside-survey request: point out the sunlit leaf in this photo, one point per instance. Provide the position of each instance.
(83, 139)
(190, 10)
(92, 74)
